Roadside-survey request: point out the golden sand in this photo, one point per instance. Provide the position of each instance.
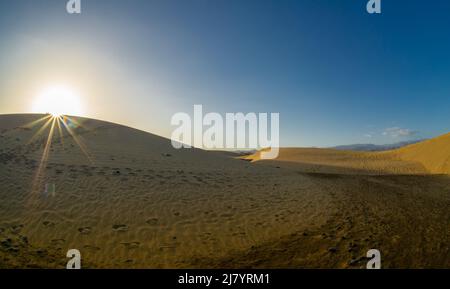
(126, 199)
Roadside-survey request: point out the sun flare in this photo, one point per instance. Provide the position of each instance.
(57, 101)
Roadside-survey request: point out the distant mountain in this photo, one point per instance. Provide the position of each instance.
(373, 147)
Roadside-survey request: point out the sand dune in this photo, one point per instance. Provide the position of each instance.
(430, 156)
(346, 162)
(134, 201)
(433, 154)
(126, 199)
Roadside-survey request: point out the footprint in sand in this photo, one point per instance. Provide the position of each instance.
(57, 242)
(48, 224)
(120, 228)
(16, 229)
(131, 245)
(91, 248)
(168, 247)
(85, 230)
(6, 244)
(129, 261)
(152, 221)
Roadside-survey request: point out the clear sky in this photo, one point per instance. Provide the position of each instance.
(336, 74)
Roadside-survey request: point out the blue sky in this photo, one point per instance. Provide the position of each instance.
(336, 74)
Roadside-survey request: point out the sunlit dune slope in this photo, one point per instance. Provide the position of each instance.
(315, 160)
(431, 156)
(95, 142)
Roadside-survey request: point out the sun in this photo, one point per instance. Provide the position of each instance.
(57, 100)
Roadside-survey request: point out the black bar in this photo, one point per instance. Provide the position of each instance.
(295, 278)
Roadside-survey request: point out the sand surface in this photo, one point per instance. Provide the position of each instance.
(126, 199)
